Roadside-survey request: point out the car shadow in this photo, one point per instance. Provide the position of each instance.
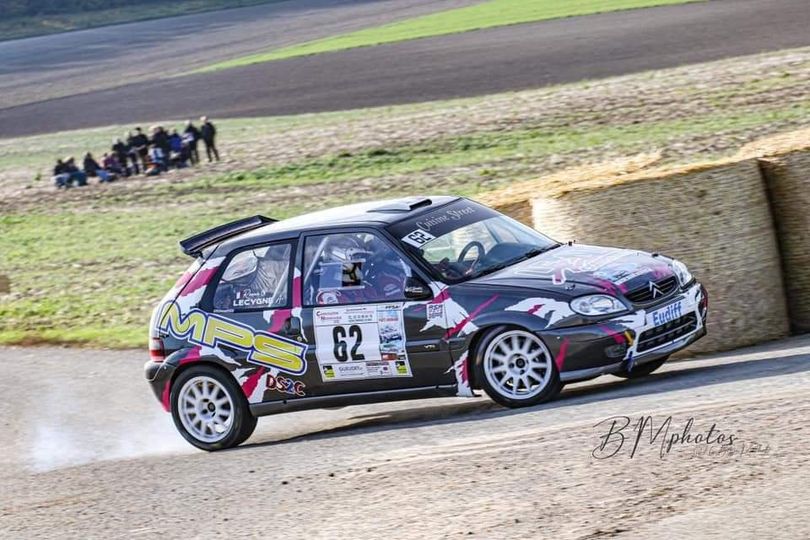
(681, 377)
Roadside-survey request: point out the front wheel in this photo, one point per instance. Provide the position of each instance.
(643, 370)
(210, 410)
(515, 368)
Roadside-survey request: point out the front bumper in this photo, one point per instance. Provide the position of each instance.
(642, 336)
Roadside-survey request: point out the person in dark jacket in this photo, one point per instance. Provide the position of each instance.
(92, 169)
(208, 133)
(161, 139)
(61, 177)
(120, 150)
(191, 135)
(74, 174)
(140, 143)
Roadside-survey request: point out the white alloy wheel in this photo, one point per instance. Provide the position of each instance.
(517, 365)
(205, 409)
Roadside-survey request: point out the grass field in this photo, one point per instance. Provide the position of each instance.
(488, 14)
(87, 265)
(22, 27)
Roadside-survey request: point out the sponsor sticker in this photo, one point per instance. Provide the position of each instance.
(666, 314)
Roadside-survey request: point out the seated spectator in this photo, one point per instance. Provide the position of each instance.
(110, 163)
(92, 169)
(157, 161)
(61, 178)
(74, 174)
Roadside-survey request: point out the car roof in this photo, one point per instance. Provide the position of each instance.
(374, 213)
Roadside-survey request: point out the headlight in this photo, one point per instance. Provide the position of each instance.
(684, 275)
(596, 304)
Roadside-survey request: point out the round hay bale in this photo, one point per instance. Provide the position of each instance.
(774, 145)
(788, 180)
(515, 200)
(713, 216)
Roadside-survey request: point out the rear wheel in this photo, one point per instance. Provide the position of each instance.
(642, 370)
(515, 368)
(210, 410)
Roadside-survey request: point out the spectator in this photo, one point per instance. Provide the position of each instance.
(132, 153)
(161, 139)
(74, 174)
(121, 153)
(141, 145)
(110, 163)
(61, 178)
(157, 161)
(191, 135)
(92, 169)
(208, 133)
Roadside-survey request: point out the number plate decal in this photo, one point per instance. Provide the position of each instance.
(361, 342)
(418, 238)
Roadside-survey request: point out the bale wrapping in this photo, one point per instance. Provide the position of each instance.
(714, 217)
(788, 179)
(515, 200)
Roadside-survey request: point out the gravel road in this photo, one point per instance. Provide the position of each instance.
(468, 64)
(90, 455)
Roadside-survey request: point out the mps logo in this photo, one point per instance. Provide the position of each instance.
(209, 330)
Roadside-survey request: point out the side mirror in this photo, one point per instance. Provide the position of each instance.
(416, 289)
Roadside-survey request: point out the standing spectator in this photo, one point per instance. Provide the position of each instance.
(191, 135)
(161, 139)
(141, 145)
(208, 133)
(121, 152)
(132, 153)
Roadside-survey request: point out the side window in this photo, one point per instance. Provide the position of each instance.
(352, 268)
(255, 279)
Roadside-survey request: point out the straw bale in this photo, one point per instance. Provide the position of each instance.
(714, 217)
(788, 179)
(774, 145)
(514, 200)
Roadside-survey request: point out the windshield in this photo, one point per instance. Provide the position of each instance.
(465, 240)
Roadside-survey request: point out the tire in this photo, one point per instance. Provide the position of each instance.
(515, 368)
(643, 370)
(210, 410)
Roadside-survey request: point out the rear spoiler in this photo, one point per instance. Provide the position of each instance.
(194, 245)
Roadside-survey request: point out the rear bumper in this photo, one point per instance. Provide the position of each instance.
(588, 351)
(159, 376)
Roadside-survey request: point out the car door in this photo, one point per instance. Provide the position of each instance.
(252, 302)
(364, 334)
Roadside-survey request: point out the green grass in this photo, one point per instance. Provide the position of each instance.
(485, 15)
(22, 27)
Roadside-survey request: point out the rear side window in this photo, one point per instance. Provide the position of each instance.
(256, 279)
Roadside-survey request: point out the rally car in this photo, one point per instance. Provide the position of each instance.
(402, 299)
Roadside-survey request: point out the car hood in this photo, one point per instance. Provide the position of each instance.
(582, 269)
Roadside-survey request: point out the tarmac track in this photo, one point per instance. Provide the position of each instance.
(87, 452)
(469, 64)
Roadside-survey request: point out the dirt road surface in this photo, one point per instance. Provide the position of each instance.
(87, 453)
(473, 63)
